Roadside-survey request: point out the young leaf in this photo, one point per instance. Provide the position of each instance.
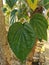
(11, 3)
(21, 38)
(13, 16)
(32, 4)
(40, 25)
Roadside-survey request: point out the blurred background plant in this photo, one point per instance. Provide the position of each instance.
(21, 11)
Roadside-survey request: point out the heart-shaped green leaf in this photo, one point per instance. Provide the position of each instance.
(21, 38)
(40, 25)
(11, 3)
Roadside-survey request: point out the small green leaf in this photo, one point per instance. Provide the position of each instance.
(13, 16)
(21, 38)
(13, 12)
(40, 25)
(11, 3)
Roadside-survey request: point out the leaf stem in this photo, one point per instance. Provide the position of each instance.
(23, 63)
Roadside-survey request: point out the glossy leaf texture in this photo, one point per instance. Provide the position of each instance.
(11, 3)
(40, 25)
(21, 38)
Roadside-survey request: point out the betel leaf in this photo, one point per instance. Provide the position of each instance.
(13, 16)
(11, 3)
(21, 38)
(13, 12)
(40, 25)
